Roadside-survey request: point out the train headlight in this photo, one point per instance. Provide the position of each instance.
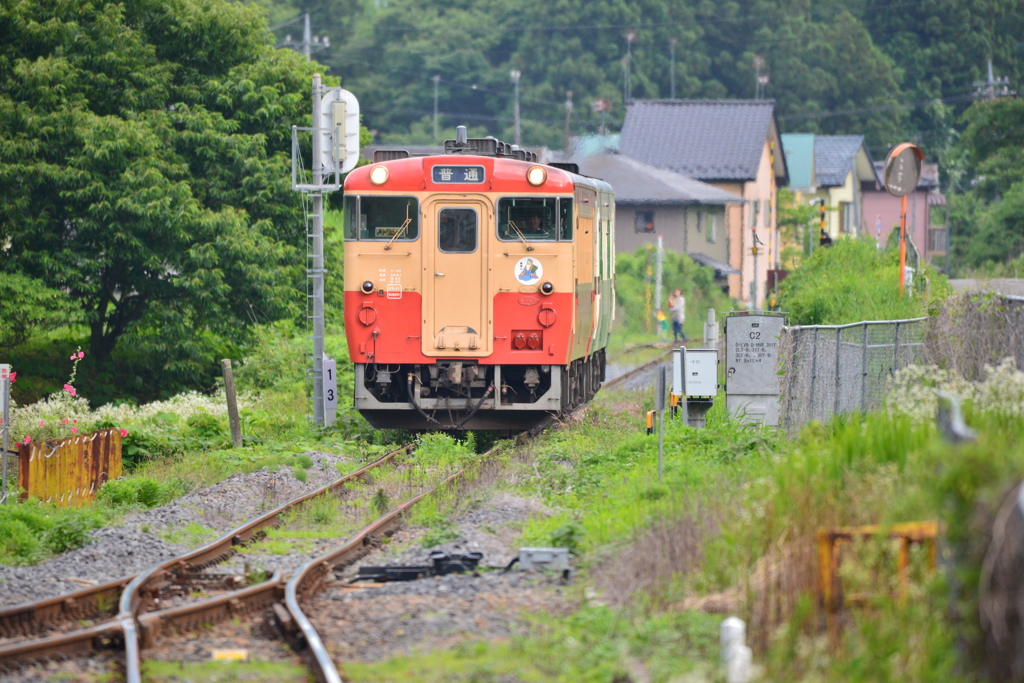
(536, 176)
(547, 288)
(367, 287)
(378, 175)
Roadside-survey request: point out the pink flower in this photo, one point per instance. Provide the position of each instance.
(14, 376)
(41, 423)
(28, 439)
(73, 356)
(65, 421)
(81, 354)
(75, 421)
(124, 432)
(70, 389)
(74, 430)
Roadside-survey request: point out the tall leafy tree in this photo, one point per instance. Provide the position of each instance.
(144, 159)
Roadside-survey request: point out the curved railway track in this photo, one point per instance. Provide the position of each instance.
(141, 619)
(30, 621)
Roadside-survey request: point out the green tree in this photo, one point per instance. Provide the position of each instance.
(144, 156)
(28, 306)
(987, 217)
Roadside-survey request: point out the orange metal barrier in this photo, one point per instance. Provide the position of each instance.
(830, 540)
(69, 471)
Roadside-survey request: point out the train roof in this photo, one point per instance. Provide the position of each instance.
(468, 165)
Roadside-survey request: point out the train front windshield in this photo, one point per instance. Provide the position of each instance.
(534, 219)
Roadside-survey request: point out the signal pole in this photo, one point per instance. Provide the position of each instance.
(316, 267)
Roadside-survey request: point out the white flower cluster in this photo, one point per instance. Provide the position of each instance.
(183, 405)
(914, 390)
(55, 416)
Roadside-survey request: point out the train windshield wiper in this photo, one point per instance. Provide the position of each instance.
(522, 237)
(401, 230)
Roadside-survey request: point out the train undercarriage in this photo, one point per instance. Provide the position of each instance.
(465, 394)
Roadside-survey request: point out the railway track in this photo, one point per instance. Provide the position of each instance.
(50, 629)
(143, 616)
(638, 370)
(135, 613)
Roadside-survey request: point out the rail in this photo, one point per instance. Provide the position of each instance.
(29, 618)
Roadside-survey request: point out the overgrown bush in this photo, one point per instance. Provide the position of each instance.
(31, 530)
(679, 271)
(136, 492)
(853, 281)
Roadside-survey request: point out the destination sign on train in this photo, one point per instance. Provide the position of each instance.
(458, 174)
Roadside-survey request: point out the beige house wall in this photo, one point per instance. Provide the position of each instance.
(684, 229)
(760, 192)
(834, 197)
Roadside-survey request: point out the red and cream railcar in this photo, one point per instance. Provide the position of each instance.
(479, 288)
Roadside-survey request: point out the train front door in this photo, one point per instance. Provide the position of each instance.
(456, 306)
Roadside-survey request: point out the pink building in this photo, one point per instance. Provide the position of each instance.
(926, 213)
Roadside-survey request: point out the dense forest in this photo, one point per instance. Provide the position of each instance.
(892, 70)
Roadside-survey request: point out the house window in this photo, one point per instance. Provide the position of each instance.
(768, 213)
(644, 221)
(713, 229)
(700, 220)
(754, 206)
(844, 217)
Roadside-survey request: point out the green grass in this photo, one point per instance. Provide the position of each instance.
(594, 645)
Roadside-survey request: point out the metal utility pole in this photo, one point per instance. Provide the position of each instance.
(307, 38)
(437, 80)
(335, 151)
(518, 136)
(627, 91)
(672, 67)
(316, 267)
(568, 115)
(993, 87)
(309, 41)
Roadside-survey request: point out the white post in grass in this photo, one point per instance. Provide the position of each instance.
(736, 656)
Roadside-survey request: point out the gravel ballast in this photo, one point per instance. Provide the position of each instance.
(123, 550)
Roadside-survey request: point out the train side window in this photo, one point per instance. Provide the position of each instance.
(457, 231)
(565, 219)
(534, 219)
(382, 218)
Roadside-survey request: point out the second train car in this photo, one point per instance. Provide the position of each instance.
(479, 286)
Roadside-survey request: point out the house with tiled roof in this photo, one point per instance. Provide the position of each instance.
(836, 168)
(732, 145)
(927, 213)
(687, 214)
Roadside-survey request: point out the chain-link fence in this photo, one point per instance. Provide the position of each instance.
(831, 369)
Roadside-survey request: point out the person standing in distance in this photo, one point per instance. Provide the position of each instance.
(677, 303)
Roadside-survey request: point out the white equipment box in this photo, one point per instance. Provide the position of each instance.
(700, 372)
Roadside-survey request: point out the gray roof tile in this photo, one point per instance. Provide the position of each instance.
(704, 139)
(637, 183)
(833, 157)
